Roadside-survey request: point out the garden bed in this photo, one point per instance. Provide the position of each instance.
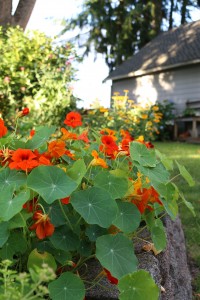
(169, 268)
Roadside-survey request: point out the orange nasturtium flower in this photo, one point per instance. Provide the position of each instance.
(146, 197)
(97, 161)
(84, 136)
(67, 135)
(23, 159)
(56, 148)
(5, 156)
(3, 128)
(42, 226)
(73, 119)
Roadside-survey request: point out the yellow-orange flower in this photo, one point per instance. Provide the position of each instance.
(97, 161)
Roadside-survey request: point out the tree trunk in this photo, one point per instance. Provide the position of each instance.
(21, 15)
(171, 14)
(184, 11)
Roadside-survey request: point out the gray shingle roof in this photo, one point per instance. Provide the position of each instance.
(169, 49)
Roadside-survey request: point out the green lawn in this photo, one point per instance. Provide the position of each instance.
(189, 156)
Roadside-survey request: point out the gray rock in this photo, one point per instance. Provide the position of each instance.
(169, 269)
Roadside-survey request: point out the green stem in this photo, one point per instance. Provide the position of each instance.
(26, 297)
(173, 178)
(65, 216)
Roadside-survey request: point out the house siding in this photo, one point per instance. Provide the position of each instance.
(179, 85)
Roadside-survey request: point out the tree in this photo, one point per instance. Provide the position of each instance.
(21, 15)
(118, 28)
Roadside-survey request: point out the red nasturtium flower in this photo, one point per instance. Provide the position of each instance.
(146, 197)
(23, 159)
(73, 119)
(84, 136)
(42, 226)
(3, 128)
(112, 279)
(31, 205)
(108, 146)
(32, 133)
(56, 148)
(25, 111)
(65, 200)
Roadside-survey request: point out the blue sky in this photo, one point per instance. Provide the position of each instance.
(46, 17)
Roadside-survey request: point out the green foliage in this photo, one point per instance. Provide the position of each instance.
(65, 200)
(126, 115)
(117, 29)
(165, 127)
(35, 72)
(131, 286)
(24, 286)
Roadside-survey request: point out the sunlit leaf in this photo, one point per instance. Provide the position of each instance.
(188, 204)
(40, 137)
(51, 183)
(144, 156)
(186, 175)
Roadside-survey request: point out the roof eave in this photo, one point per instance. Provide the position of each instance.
(153, 70)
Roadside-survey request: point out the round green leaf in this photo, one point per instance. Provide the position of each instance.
(128, 217)
(94, 231)
(115, 185)
(16, 243)
(11, 178)
(67, 287)
(116, 253)
(64, 239)
(40, 137)
(55, 213)
(37, 259)
(144, 156)
(51, 183)
(77, 171)
(12, 205)
(95, 205)
(138, 286)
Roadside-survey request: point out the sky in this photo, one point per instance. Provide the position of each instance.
(46, 17)
(90, 74)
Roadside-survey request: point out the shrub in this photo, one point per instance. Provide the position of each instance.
(35, 72)
(125, 114)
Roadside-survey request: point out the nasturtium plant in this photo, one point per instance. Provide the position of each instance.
(71, 195)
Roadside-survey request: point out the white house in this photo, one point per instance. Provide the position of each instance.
(168, 67)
